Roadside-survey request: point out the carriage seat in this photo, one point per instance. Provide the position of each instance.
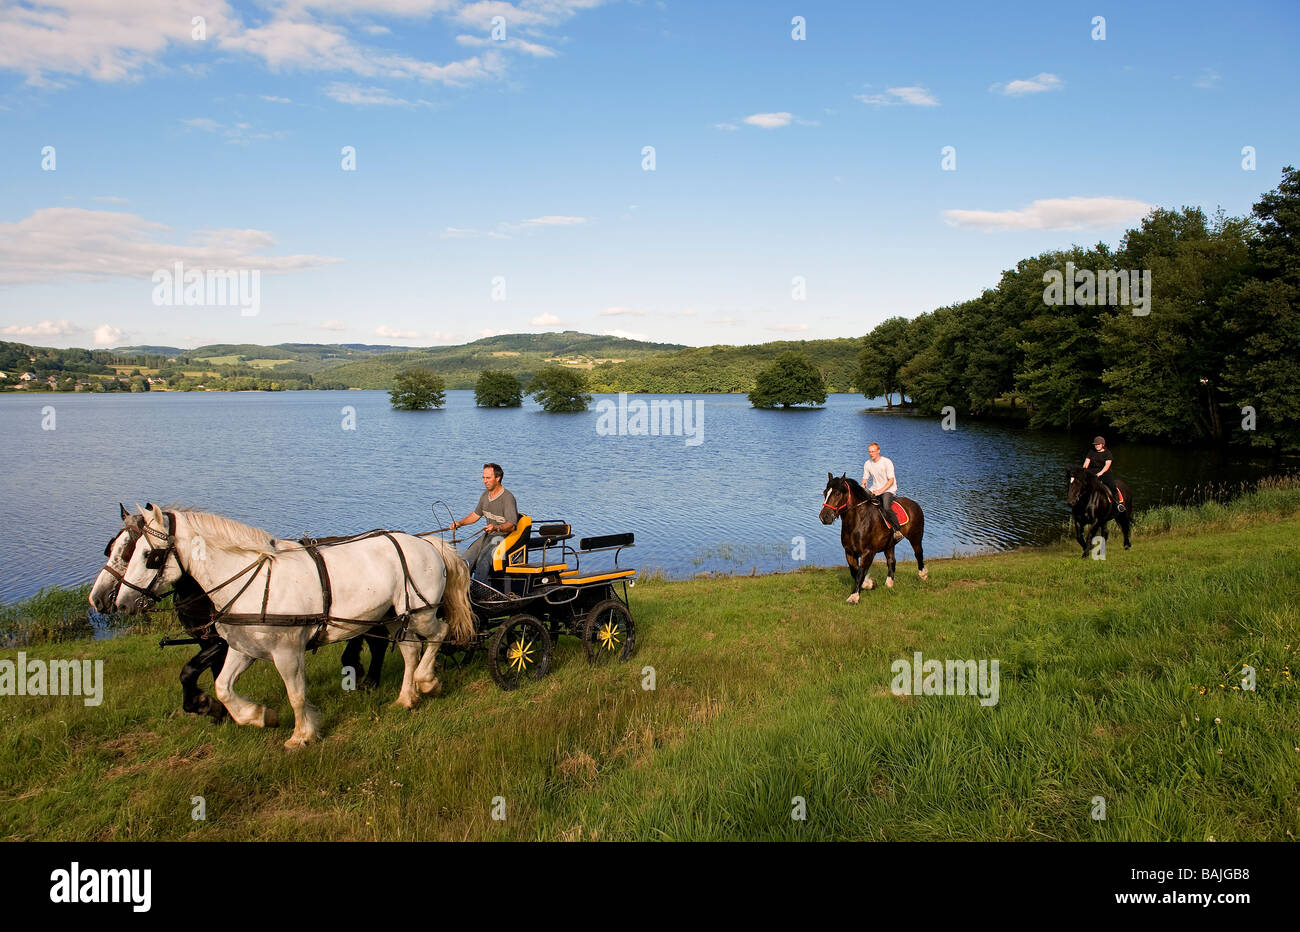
(510, 558)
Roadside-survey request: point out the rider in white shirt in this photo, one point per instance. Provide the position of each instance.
(878, 477)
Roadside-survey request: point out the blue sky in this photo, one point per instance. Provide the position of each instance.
(522, 159)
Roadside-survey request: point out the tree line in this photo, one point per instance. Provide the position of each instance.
(1212, 358)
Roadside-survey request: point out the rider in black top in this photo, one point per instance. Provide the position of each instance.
(1098, 462)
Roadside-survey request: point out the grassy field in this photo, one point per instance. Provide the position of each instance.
(1119, 678)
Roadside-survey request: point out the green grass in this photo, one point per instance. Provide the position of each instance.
(1119, 678)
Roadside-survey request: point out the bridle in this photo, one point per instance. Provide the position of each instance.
(133, 534)
(848, 500)
(155, 559)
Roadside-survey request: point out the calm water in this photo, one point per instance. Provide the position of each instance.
(731, 503)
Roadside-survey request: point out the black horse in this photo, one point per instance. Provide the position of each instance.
(864, 531)
(1091, 506)
(377, 640)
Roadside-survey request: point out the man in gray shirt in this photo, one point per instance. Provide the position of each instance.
(502, 513)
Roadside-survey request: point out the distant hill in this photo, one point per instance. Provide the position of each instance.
(614, 363)
(727, 368)
(519, 353)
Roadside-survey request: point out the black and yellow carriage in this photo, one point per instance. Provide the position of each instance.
(539, 589)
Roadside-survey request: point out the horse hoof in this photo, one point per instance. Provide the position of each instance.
(270, 718)
(294, 743)
(853, 599)
(407, 702)
(368, 684)
(869, 583)
(432, 689)
(217, 712)
(924, 574)
(889, 582)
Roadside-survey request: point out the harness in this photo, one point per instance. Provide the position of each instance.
(157, 559)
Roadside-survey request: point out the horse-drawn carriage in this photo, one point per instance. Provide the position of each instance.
(538, 590)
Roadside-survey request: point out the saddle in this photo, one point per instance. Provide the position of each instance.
(899, 512)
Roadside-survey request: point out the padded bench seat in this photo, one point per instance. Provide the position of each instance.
(571, 578)
(527, 569)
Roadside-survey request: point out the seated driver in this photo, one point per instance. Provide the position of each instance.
(502, 512)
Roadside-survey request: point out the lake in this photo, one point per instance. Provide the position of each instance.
(734, 498)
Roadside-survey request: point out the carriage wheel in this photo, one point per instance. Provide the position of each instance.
(609, 633)
(520, 650)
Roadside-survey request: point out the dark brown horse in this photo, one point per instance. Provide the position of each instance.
(1091, 506)
(864, 532)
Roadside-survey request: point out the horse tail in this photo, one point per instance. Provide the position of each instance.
(455, 595)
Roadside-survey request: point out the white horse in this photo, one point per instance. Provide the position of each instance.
(249, 577)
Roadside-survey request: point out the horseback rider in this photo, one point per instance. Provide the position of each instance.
(878, 477)
(502, 512)
(1098, 462)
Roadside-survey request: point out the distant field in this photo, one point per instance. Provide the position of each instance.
(236, 361)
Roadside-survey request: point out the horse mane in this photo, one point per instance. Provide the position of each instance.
(856, 491)
(227, 533)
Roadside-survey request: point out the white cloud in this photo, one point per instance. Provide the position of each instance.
(332, 325)
(504, 230)
(1035, 85)
(1066, 213)
(912, 95)
(621, 312)
(383, 330)
(729, 127)
(1209, 78)
(624, 334)
(57, 243)
(239, 134)
(107, 335)
(46, 328)
(110, 199)
(103, 41)
(789, 328)
(512, 43)
(769, 120)
(276, 100)
(545, 320)
(363, 96)
(553, 221)
(124, 39)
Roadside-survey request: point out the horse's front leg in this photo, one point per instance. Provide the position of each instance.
(889, 563)
(1079, 525)
(240, 709)
(211, 657)
(854, 580)
(291, 661)
(863, 579)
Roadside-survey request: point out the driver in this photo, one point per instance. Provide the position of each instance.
(502, 512)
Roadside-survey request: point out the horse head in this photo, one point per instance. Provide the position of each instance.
(835, 498)
(1080, 482)
(103, 591)
(153, 567)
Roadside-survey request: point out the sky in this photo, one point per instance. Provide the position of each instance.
(801, 184)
